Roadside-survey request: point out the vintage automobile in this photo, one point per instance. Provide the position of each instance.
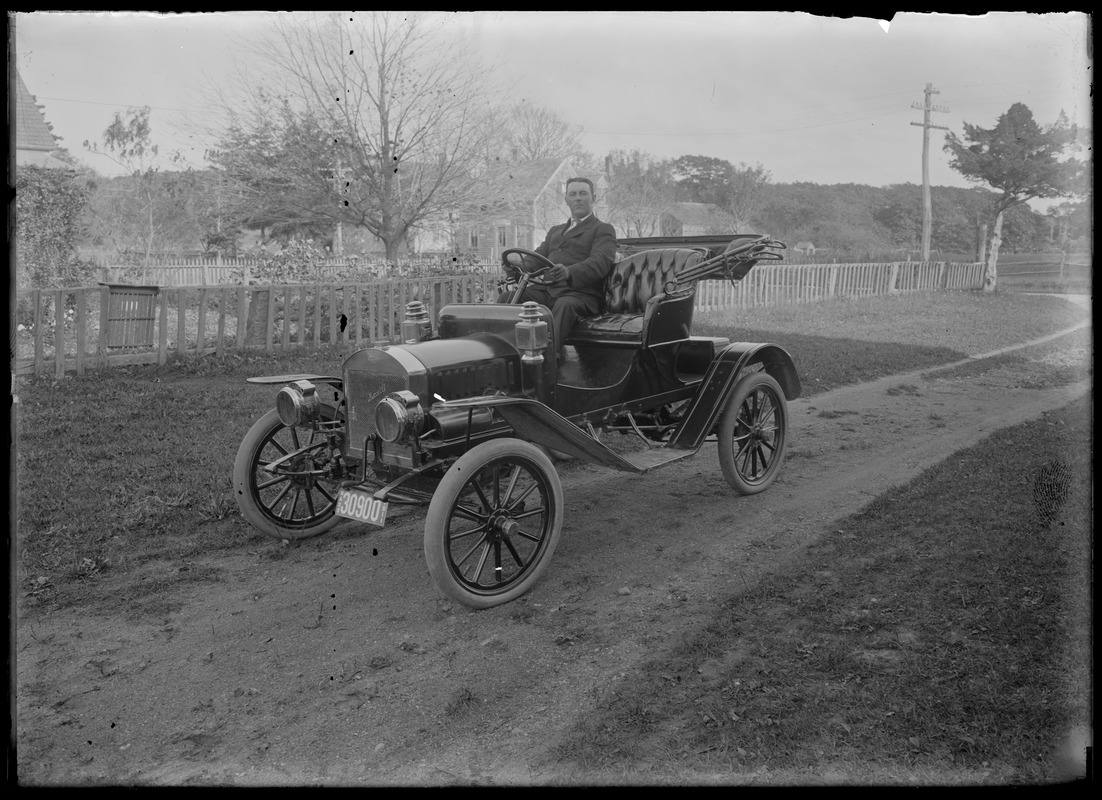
(467, 418)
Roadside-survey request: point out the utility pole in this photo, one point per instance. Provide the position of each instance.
(927, 205)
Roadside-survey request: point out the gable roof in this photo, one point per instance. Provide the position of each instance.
(34, 142)
(31, 132)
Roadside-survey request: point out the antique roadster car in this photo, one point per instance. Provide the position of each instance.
(467, 418)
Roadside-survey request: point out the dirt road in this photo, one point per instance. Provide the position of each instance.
(336, 661)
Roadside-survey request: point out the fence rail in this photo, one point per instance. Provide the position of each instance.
(57, 330)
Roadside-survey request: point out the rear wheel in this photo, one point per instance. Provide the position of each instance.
(493, 523)
(294, 501)
(752, 433)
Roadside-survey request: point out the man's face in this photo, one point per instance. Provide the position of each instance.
(580, 199)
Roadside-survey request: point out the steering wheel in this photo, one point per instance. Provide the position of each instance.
(524, 262)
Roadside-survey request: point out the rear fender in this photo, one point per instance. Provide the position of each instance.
(719, 381)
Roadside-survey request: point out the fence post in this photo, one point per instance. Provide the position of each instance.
(302, 293)
(255, 304)
(162, 330)
(104, 322)
(242, 318)
(893, 277)
(269, 323)
(59, 334)
(334, 318)
(82, 323)
(285, 335)
(36, 321)
(357, 313)
(317, 315)
(181, 321)
(219, 346)
(201, 330)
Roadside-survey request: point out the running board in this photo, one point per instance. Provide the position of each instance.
(534, 422)
(655, 457)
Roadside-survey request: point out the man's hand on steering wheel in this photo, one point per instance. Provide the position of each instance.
(557, 274)
(516, 260)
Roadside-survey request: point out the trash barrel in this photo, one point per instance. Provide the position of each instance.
(131, 312)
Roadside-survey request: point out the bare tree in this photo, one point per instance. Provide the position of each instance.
(640, 189)
(745, 193)
(372, 119)
(533, 133)
(143, 209)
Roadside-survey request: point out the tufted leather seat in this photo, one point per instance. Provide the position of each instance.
(634, 291)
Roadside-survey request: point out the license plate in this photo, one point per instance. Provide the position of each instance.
(360, 505)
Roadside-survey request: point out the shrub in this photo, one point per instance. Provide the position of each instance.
(50, 206)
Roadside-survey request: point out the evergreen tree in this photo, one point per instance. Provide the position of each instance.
(1021, 161)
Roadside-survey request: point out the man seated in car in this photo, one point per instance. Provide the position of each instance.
(583, 250)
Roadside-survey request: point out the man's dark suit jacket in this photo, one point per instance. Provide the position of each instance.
(588, 251)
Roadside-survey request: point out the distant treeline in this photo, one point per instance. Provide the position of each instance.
(850, 219)
(854, 219)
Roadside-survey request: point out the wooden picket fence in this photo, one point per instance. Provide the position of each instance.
(116, 325)
(783, 284)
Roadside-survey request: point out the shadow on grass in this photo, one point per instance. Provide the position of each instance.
(825, 363)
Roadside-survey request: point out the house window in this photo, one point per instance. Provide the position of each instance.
(501, 237)
(474, 239)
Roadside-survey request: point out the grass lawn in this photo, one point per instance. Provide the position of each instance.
(939, 636)
(850, 341)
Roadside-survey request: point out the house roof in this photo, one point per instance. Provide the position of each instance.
(805, 245)
(696, 213)
(31, 131)
(39, 158)
(523, 181)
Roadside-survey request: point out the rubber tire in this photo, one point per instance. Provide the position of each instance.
(444, 499)
(747, 385)
(244, 489)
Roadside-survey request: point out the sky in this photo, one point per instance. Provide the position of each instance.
(810, 98)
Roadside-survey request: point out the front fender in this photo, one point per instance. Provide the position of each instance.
(719, 382)
(266, 380)
(331, 409)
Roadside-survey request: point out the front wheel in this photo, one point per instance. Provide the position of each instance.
(493, 523)
(752, 433)
(295, 500)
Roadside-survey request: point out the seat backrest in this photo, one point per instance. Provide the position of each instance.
(639, 277)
